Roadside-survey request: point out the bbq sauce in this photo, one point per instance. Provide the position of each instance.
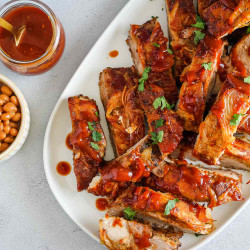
(68, 142)
(101, 204)
(63, 168)
(113, 53)
(36, 37)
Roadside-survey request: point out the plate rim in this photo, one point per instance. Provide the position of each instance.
(46, 158)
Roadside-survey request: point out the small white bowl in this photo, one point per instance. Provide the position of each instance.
(25, 122)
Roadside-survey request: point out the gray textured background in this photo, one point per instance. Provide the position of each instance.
(30, 217)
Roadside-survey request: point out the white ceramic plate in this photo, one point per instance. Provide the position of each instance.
(81, 206)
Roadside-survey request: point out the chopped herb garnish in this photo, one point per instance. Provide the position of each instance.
(96, 136)
(159, 123)
(170, 205)
(153, 17)
(207, 66)
(91, 125)
(129, 213)
(198, 36)
(94, 146)
(157, 137)
(157, 45)
(170, 51)
(197, 235)
(248, 30)
(236, 119)
(247, 80)
(161, 102)
(200, 24)
(143, 78)
(97, 114)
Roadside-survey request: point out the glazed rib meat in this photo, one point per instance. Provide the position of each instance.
(119, 234)
(118, 90)
(223, 17)
(204, 4)
(237, 155)
(148, 48)
(244, 126)
(150, 205)
(88, 144)
(181, 14)
(216, 132)
(135, 164)
(198, 82)
(241, 56)
(171, 126)
(197, 183)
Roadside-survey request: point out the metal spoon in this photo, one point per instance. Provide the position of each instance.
(17, 33)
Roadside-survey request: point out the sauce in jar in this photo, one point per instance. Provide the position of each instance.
(43, 40)
(68, 142)
(63, 168)
(101, 204)
(36, 37)
(113, 53)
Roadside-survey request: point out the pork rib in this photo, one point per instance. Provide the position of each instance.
(87, 153)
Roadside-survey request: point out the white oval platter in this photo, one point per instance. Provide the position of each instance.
(81, 206)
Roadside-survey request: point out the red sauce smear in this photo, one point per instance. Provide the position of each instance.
(68, 142)
(63, 168)
(101, 204)
(118, 222)
(143, 241)
(36, 38)
(113, 53)
(248, 182)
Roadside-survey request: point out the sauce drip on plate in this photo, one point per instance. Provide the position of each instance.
(113, 53)
(63, 168)
(101, 204)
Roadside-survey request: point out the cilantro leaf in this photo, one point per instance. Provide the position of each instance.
(96, 136)
(143, 78)
(129, 213)
(157, 137)
(97, 114)
(153, 17)
(159, 123)
(94, 146)
(200, 24)
(236, 119)
(170, 205)
(161, 102)
(198, 36)
(247, 80)
(91, 125)
(248, 30)
(170, 51)
(156, 45)
(207, 66)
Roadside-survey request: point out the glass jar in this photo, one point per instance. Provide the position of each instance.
(53, 52)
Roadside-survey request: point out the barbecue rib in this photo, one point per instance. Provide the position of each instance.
(223, 17)
(88, 150)
(135, 164)
(181, 14)
(216, 132)
(198, 81)
(150, 205)
(118, 91)
(170, 123)
(148, 48)
(119, 234)
(204, 4)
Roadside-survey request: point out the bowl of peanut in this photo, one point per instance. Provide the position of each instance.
(14, 119)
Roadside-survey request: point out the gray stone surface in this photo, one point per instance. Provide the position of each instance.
(30, 217)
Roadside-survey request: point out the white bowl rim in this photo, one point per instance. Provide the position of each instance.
(23, 104)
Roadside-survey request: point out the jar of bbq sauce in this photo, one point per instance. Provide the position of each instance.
(42, 43)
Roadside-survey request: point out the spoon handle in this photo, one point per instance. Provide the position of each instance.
(6, 25)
